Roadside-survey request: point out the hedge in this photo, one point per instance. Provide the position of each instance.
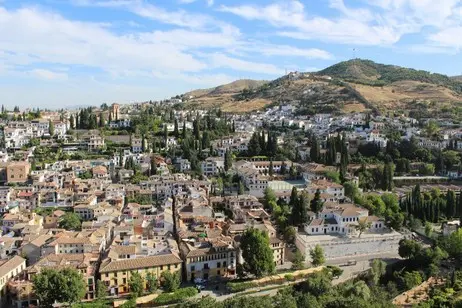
(240, 286)
(175, 297)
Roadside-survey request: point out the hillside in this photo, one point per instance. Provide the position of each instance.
(375, 74)
(233, 88)
(345, 87)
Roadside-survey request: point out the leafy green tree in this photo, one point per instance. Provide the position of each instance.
(408, 249)
(298, 262)
(284, 298)
(351, 190)
(151, 281)
(334, 176)
(363, 225)
(257, 253)
(136, 284)
(289, 234)
(359, 289)
(70, 221)
(269, 196)
(131, 303)
(317, 284)
(317, 256)
(378, 269)
(412, 279)
(453, 244)
(63, 286)
(101, 290)
(428, 229)
(170, 281)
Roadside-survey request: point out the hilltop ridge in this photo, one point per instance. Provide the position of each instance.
(353, 85)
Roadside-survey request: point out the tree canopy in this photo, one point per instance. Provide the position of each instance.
(257, 252)
(61, 286)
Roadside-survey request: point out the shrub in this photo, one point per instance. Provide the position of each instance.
(240, 286)
(175, 297)
(289, 277)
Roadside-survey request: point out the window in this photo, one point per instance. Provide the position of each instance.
(193, 268)
(218, 264)
(206, 266)
(224, 264)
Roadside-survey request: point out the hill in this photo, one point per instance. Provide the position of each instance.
(345, 87)
(375, 74)
(233, 87)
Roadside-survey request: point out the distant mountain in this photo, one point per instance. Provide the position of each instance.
(345, 87)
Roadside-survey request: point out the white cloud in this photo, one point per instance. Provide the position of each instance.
(22, 33)
(202, 80)
(208, 2)
(448, 38)
(219, 60)
(284, 50)
(48, 75)
(144, 9)
(183, 38)
(379, 22)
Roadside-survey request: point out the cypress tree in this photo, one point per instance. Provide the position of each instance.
(293, 197)
(271, 170)
(450, 204)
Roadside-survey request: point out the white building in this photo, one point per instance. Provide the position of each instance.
(212, 166)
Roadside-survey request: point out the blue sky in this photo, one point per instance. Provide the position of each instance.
(57, 53)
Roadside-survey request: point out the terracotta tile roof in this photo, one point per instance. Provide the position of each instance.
(140, 263)
(316, 222)
(10, 265)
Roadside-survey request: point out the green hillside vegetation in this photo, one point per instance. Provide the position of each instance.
(230, 88)
(375, 74)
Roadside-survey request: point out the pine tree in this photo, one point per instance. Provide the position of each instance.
(271, 168)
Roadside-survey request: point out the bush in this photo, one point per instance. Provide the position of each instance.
(240, 286)
(175, 297)
(289, 277)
